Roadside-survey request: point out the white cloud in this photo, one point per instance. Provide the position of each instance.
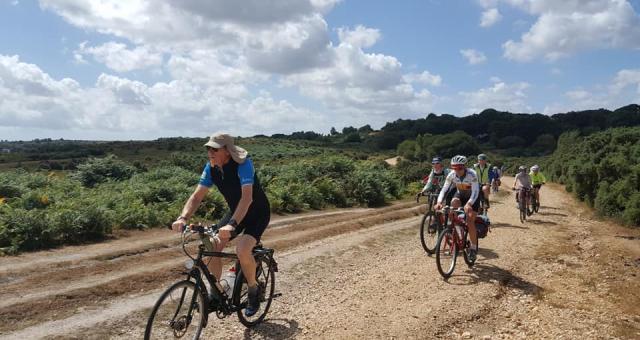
(118, 57)
(423, 78)
(577, 94)
(32, 99)
(564, 28)
(621, 90)
(625, 79)
(500, 96)
(365, 86)
(359, 37)
(474, 57)
(216, 54)
(490, 17)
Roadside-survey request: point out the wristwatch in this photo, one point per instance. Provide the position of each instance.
(182, 218)
(233, 223)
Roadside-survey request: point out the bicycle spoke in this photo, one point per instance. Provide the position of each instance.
(179, 313)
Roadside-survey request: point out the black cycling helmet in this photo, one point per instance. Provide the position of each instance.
(436, 159)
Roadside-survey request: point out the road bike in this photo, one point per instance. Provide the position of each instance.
(183, 310)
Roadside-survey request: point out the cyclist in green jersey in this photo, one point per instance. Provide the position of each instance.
(485, 175)
(537, 180)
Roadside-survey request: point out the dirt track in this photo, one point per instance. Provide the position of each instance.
(358, 273)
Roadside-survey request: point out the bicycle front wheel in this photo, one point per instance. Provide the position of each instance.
(179, 313)
(265, 276)
(429, 232)
(446, 253)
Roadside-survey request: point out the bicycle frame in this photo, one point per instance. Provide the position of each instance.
(225, 304)
(454, 222)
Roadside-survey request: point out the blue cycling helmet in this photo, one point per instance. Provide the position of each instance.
(436, 160)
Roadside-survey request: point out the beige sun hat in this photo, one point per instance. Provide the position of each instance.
(220, 140)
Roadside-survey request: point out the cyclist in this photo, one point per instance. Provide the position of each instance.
(231, 170)
(436, 177)
(497, 174)
(485, 176)
(522, 181)
(461, 188)
(537, 180)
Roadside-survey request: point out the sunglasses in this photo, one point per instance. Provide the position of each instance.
(435, 163)
(457, 167)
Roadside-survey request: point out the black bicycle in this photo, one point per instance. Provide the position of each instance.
(183, 310)
(430, 226)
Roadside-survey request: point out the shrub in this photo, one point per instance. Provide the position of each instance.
(98, 170)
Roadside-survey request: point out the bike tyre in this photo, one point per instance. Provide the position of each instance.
(268, 286)
(425, 235)
(446, 236)
(202, 309)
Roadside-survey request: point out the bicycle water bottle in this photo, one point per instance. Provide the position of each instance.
(229, 279)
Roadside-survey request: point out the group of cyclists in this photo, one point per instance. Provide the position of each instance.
(467, 187)
(230, 169)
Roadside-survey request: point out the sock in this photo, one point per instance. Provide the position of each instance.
(474, 246)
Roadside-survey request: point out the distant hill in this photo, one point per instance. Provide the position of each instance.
(498, 128)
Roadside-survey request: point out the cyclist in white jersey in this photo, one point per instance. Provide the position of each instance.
(461, 187)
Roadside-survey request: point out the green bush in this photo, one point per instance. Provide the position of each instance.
(24, 230)
(99, 170)
(602, 169)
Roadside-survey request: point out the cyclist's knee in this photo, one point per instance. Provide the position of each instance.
(245, 245)
(219, 244)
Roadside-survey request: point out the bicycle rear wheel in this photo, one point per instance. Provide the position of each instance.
(446, 253)
(429, 232)
(179, 313)
(265, 276)
(522, 206)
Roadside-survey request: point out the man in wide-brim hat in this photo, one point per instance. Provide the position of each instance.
(231, 170)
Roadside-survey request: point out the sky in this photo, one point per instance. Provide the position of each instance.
(144, 69)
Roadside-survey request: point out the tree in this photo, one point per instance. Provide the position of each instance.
(353, 137)
(365, 129)
(333, 131)
(349, 129)
(407, 149)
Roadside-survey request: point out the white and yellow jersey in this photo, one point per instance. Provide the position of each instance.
(468, 182)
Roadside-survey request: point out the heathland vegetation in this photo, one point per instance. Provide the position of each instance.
(55, 192)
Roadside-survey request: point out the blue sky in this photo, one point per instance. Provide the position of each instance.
(142, 70)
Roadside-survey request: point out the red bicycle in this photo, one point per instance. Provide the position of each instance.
(452, 240)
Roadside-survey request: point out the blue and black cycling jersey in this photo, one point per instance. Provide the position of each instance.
(229, 180)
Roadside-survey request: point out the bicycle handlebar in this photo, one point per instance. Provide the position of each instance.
(211, 230)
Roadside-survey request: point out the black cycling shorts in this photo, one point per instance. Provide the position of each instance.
(537, 186)
(255, 229)
(464, 198)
